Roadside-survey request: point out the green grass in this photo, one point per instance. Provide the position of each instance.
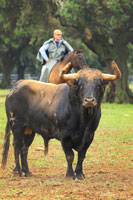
(117, 116)
(2, 110)
(131, 86)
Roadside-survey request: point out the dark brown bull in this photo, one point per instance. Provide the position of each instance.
(68, 112)
(77, 62)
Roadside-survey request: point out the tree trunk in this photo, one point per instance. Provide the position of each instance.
(7, 67)
(20, 71)
(123, 93)
(119, 91)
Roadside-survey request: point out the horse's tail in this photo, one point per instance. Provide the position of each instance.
(6, 145)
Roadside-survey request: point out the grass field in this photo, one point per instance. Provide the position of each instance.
(131, 86)
(107, 166)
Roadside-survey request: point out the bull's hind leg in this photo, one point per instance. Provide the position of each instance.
(27, 141)
(17, 143)
(46, 142)
(67, 147)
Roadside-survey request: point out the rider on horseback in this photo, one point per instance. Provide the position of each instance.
(51, 52)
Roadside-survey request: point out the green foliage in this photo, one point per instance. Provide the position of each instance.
(22, 25)
(102, 17)
(106, 28)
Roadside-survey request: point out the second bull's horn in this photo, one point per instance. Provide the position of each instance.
(68, 76)
(111, 77)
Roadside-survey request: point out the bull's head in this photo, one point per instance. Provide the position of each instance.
(90, 83)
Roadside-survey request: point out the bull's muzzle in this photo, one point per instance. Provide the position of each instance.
(89, 102)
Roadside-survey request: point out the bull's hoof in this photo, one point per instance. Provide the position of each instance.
(70, 177)
(28, 174)
(80, 176)
(17, 172)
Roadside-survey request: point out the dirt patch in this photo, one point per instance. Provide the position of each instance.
(106, 179)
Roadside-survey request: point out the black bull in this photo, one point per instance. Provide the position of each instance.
(68, 112)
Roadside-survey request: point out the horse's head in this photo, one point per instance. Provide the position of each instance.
(77, 60)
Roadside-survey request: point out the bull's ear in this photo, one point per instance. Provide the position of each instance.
(72, 83)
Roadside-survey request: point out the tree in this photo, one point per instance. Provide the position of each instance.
(12, 40)
(20, 21)
(106, 28)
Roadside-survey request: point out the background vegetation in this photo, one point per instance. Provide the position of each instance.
(103, 28)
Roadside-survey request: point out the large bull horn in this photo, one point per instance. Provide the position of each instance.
(68, 76)
(113, 77)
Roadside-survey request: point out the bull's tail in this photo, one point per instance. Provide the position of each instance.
(6, 145)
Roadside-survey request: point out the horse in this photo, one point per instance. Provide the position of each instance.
(76, 61)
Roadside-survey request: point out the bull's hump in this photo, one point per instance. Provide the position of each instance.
(38, 86)
(31, 87)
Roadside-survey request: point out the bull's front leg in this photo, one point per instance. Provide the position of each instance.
(79, 167)
(67, 147)
(81, 156)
